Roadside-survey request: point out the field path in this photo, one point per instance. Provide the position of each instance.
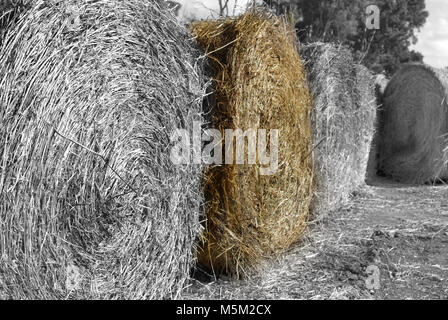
(399, 231)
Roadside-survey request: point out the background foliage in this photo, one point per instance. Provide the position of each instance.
(343, 21)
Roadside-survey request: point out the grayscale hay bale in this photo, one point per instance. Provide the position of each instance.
(9, 13)
(381, 82)
(8, 8)
(343, 122)
(367, 117)
(413, 136)
(90, 204)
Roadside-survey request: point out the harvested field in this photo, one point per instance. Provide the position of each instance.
(401, 230)
(93, 206)
(90, 204)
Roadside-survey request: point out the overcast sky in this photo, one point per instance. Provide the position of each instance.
(203, 9)
(433, 38)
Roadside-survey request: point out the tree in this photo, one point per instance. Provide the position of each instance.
(223, 7)
(344, 21)
(390, 46)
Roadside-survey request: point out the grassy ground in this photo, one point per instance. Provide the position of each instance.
(401, 230)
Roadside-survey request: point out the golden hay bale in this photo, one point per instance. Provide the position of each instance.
(413, 133)
(90, 204)
(260, 83)
(343, 122)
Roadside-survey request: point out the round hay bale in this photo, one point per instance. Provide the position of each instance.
(91, 205)
(413, 132)
(343, 122)
(260, 83)
(367, 110)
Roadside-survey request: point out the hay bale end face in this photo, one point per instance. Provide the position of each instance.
(91, 205)
(343, 122)
(413, 132)
(260, 83)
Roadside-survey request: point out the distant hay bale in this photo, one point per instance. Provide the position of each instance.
(90, 204)
(343, 122)
(413, 137)
(260, 83)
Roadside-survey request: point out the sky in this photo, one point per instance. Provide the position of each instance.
(203, 9)
(433, 38)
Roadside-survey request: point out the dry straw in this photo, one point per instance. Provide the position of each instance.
(343, 123)
(260, 83)
(413, 137)
(9, 13)
(90, 203)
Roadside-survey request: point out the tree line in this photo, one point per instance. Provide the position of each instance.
(344, 21)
